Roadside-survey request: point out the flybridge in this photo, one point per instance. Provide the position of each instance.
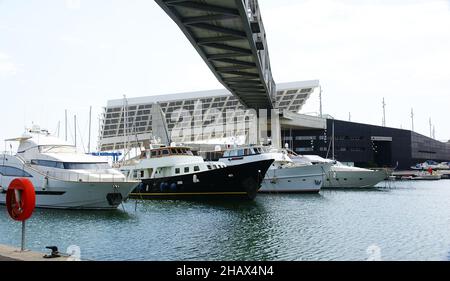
(230, 38)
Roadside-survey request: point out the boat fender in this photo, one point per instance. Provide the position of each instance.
(45, 183)
(195, 179)
(163, 186)
(173, 186)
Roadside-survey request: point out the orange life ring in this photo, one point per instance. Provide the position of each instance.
(20, 199)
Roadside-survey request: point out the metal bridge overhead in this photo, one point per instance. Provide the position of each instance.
(229, 35)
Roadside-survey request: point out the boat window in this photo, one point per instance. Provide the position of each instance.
(86, 166)
(215, 167)
(241, 152)
(142, 173)
(177, 170)
(165, 152)
(209, 167)
(153, 153)
(252, 151)
(135, 174)
(233, 153)
(196, 168)
(186, 169)
(48, 163)
(13, 172)
(173, 151)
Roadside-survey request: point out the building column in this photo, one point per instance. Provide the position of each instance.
(275, 128)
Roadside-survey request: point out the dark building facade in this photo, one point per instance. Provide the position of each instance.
(367, 145)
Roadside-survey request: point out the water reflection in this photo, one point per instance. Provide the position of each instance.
(405, 221)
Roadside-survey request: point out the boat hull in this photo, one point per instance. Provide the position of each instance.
(354, 179)
(242, 181)
(79, 195)
(300, 179)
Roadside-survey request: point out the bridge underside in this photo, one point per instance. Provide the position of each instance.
(230, 37)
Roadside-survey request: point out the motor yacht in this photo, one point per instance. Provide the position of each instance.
(284, 175)
(175, 172)
(343, 176)
(63, 177)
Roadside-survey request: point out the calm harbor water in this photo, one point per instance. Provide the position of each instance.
(408, 221)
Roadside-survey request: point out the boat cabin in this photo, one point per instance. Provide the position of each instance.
(243, 151)
(166, 151)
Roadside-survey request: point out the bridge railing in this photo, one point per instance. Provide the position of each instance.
(259, 37)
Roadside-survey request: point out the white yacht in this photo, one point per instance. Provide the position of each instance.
(63, 178)
(343, 176)
(175, 172)
(284, 175)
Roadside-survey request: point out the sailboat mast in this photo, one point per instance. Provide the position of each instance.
(90, 120)
(65, 123)
(75, 128)
(332, 140)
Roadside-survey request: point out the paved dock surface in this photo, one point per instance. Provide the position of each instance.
(8, 253)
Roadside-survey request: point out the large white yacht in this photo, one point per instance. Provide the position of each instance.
(343, 176)
(284, 175)
(175, 172)
(63, 178)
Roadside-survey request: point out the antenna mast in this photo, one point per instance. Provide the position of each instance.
(65, 124)
(431, 128)
(320, 101)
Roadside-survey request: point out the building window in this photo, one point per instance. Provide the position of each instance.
(300, 138)
(303, 149)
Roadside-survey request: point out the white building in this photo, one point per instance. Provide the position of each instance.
(190, 116)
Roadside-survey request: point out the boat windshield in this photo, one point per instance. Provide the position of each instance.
(57, 149)
(243, 152)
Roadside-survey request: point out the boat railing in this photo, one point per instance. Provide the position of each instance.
(89, 177)
(75, 177)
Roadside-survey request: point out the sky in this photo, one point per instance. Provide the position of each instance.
(58, 55)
